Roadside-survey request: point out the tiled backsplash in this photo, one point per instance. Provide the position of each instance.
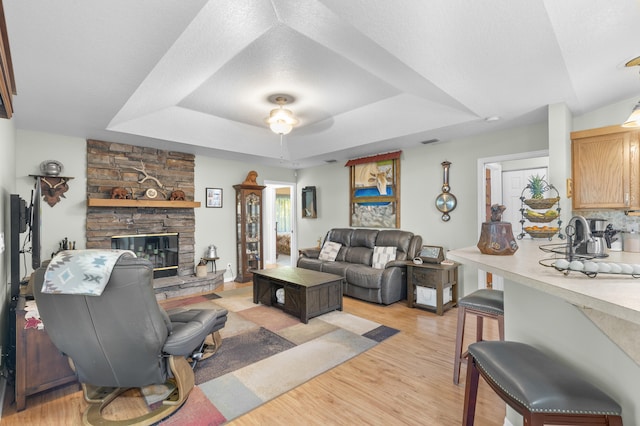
(618, 219)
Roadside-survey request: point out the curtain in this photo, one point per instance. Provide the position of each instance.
(283, 213)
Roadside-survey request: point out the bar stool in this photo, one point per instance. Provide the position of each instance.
(482, 303)
(541, 389)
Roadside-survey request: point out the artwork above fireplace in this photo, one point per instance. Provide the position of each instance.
(160, 249)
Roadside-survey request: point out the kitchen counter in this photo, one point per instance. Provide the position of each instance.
(615, 294)
(591, 323)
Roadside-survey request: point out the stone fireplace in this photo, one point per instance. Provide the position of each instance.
(111, 165)
(160, 249)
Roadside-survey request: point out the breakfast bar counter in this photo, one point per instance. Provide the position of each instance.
(592, 323)
(615, 294)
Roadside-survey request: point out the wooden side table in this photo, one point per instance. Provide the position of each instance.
(435, 276)
(39, 364)
(213, 260)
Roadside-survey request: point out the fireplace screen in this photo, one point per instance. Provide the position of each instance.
(160, 249)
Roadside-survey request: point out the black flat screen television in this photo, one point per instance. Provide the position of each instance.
(24, 218)
(36, 226)
(20, 217)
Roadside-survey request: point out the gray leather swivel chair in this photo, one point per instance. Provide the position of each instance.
(123, 339)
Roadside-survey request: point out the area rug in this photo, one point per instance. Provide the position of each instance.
(265, 353)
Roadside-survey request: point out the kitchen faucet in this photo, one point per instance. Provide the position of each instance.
(572, 234)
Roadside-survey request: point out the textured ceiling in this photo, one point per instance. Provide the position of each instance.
(367, 76)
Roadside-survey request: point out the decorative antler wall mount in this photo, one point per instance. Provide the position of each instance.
(53, 188)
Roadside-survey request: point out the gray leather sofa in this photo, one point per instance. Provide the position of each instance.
(354, 262)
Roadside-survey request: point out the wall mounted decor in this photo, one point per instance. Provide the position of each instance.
(446, 202)
(53, 188)
(51, 167)
(309, 209)
(214, 197)
(375, 191)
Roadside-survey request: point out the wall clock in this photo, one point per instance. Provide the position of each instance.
(446, 201)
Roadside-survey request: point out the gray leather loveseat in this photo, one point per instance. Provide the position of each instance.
(387, 282)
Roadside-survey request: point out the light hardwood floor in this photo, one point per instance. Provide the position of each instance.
(407, 379)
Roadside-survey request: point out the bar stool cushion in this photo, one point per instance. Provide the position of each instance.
(491, 301)
(538, 382)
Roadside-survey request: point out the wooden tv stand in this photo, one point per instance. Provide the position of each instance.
(40, 366)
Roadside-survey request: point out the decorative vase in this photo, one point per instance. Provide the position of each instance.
(51, 168)
(201, 271)
(497, 238)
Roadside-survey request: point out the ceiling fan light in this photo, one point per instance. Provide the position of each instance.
(280, 127)
(634, 118)
(282, 114)
(281, 120)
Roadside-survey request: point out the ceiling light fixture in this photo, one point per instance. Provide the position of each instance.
(281, 120)
(634, 117)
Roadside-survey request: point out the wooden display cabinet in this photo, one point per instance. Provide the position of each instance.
(434, 276)
(605, 168)
(248, 230)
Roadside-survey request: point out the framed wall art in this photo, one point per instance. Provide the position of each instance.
(309, 209)
(214, 197)
(375, 191)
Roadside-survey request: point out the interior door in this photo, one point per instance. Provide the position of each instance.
(271, 225)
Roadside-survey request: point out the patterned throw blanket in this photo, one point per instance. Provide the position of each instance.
(84, 272)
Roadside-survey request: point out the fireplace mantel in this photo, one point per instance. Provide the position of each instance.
(114, 165)
(115, 202)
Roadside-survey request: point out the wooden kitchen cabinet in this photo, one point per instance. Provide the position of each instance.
(605, 168)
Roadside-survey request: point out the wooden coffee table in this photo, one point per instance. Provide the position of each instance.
(307, 293)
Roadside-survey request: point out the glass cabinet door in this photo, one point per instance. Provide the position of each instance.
(249, 230)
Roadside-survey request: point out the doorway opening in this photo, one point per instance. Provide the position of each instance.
(501, 181)
(280, 224)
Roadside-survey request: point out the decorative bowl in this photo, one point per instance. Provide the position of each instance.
(51, 168)
(542, 203)
(542, 233)
(540, 219)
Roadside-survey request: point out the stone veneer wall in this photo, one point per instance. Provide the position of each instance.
(111, 165)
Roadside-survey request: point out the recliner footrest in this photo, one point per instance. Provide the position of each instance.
(193, 325)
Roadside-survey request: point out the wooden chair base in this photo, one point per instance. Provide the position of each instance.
(100, 397)
(461, 357)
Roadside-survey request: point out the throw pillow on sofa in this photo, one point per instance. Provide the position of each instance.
(382, 255)
(329, 251)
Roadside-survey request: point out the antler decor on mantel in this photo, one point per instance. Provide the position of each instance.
(147, 176)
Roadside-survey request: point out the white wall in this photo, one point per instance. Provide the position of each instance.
(7, 187)
(217, 226)
(421, 182)
(610, 115)
(68, 217)
(332, 201)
